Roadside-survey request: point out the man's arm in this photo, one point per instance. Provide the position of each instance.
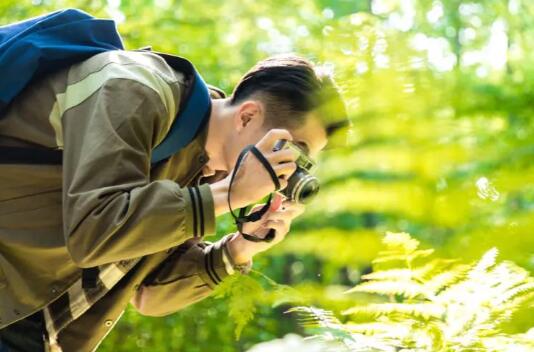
(187, 276)
(111, 209)
(191, 273)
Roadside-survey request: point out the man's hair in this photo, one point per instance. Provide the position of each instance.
(291, 86)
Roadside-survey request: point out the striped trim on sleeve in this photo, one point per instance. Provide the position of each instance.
(198, 211)
(201, 211)
(194, 206)
(214, 267)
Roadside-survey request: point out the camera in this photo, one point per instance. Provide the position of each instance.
(301, 186)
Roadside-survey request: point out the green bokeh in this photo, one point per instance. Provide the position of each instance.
(440, 94)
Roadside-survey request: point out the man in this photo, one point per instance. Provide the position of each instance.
(142, 227)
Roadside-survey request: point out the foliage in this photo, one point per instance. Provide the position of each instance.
(440, 93)
(243, 292)
(430, 304)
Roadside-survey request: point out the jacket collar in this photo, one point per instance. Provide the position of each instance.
(197, 157)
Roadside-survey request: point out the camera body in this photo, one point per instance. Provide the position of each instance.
(302, 186)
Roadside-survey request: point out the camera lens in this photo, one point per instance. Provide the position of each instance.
(301, 187)
(309, 190)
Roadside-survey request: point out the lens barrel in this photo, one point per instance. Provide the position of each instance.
(301, 186)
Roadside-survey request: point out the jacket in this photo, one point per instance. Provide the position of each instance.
(105, 203)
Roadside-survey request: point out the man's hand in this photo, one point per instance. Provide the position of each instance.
(252, 181)
(279, 219)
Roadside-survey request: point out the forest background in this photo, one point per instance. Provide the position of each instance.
(440, 93)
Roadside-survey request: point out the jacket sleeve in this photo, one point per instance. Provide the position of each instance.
(111, 209)
(186, 276)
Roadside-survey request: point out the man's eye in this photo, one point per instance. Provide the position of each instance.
(304, 147)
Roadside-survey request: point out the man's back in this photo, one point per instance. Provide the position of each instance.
(106, 114)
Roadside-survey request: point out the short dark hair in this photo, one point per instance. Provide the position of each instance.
(291, 86)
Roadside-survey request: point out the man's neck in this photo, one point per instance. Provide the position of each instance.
(217, 135)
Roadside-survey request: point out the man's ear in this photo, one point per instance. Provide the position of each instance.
(250, 112)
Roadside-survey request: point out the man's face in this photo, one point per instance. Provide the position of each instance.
(311, 136)
(250, 127)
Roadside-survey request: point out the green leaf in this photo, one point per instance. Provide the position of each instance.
(401, 241)
(243, 293)
(416, 310)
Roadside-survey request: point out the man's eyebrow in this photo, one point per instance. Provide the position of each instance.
(334, 126)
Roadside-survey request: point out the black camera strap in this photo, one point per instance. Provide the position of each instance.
(255, 216)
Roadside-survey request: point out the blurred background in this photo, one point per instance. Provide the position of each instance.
(441, 95)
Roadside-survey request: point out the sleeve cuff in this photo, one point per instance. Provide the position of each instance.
(218, 263)
(227, 265)
(200, 211)
(214, 267)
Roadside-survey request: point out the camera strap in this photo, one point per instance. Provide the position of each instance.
(255, 216)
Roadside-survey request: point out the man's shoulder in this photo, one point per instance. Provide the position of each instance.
(124, 64)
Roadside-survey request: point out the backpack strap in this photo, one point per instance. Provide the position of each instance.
(47, 43)
(193, 113)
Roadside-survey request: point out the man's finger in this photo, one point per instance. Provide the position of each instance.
(276, 202)
(283, 183)
(281, 227)
(285, 169)
(266, 144)
(283, 215)
(293, 206)
(282, 156)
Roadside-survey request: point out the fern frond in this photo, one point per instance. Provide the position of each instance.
(485, 263)
(425, 311)
(314, 317)
(446, 306)
(407, 289)
(378, 327)
(508, 343)
(445, 279)
(364, 343)
(400, 241)
(434, 267)
(424, 281)
(242, 291)
(321, 321)
(391, 275)
(513, 282)
(330, 327)
(522, 289)
(402, 256)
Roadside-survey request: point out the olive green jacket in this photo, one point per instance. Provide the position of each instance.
(105, 203)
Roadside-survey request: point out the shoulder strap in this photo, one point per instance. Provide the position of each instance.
(47, 43)
(194, 111)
